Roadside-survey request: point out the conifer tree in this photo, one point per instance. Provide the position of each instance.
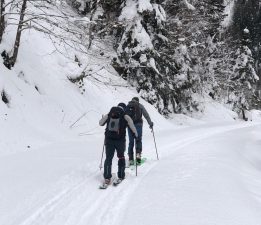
(2, 19)
(139, 61)
(244, 74)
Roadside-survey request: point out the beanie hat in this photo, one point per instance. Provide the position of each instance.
(135, 99)
(122, 105)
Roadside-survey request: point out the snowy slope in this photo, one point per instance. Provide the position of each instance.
(45, 156)
(213, 181)
(44, 104)
(205, 175)
(51, 145)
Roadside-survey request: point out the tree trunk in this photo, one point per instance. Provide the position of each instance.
(243, 113)
(2, 19)
(18, 34)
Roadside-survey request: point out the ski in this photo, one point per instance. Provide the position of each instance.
(143, 160)
(104, 185)
(117, 182)
(132, 166)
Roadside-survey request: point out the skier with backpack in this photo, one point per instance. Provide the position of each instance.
(136, 110)
(115, 139)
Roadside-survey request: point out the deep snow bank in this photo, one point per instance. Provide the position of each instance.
(44, 105)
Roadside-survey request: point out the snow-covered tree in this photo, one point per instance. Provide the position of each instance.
(2, 19)
(248, 14)
(244, 73)
(193, 33)
(172, 51)
(139, 40)
(82, 6)
(45, 17)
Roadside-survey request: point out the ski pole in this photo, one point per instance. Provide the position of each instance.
(136, 166)
(155, 143)
(78, 119)
(102, 154)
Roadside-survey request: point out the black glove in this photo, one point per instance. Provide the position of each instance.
(151, 125)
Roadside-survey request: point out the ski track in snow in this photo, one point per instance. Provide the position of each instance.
(83, 203)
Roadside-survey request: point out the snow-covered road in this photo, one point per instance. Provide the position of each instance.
(206, 175)
(215, 180)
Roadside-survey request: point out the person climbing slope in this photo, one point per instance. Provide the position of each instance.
(115, 139)
(136, 110)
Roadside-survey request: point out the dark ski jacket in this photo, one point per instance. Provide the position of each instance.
(128, 119)
(145, 114)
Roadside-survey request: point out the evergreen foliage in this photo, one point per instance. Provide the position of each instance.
(175, 52)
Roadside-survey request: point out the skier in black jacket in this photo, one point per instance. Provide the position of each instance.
(115, 139)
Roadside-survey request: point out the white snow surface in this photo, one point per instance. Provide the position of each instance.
(129, 11)
(144, 5)
(208, 170)
(206, 174)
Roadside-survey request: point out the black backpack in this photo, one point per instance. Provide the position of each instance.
(134, 111)
(116, 124)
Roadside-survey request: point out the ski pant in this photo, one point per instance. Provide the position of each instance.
(138, 144)
(111, 146)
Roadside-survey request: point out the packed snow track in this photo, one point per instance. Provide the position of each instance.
(206, 175)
